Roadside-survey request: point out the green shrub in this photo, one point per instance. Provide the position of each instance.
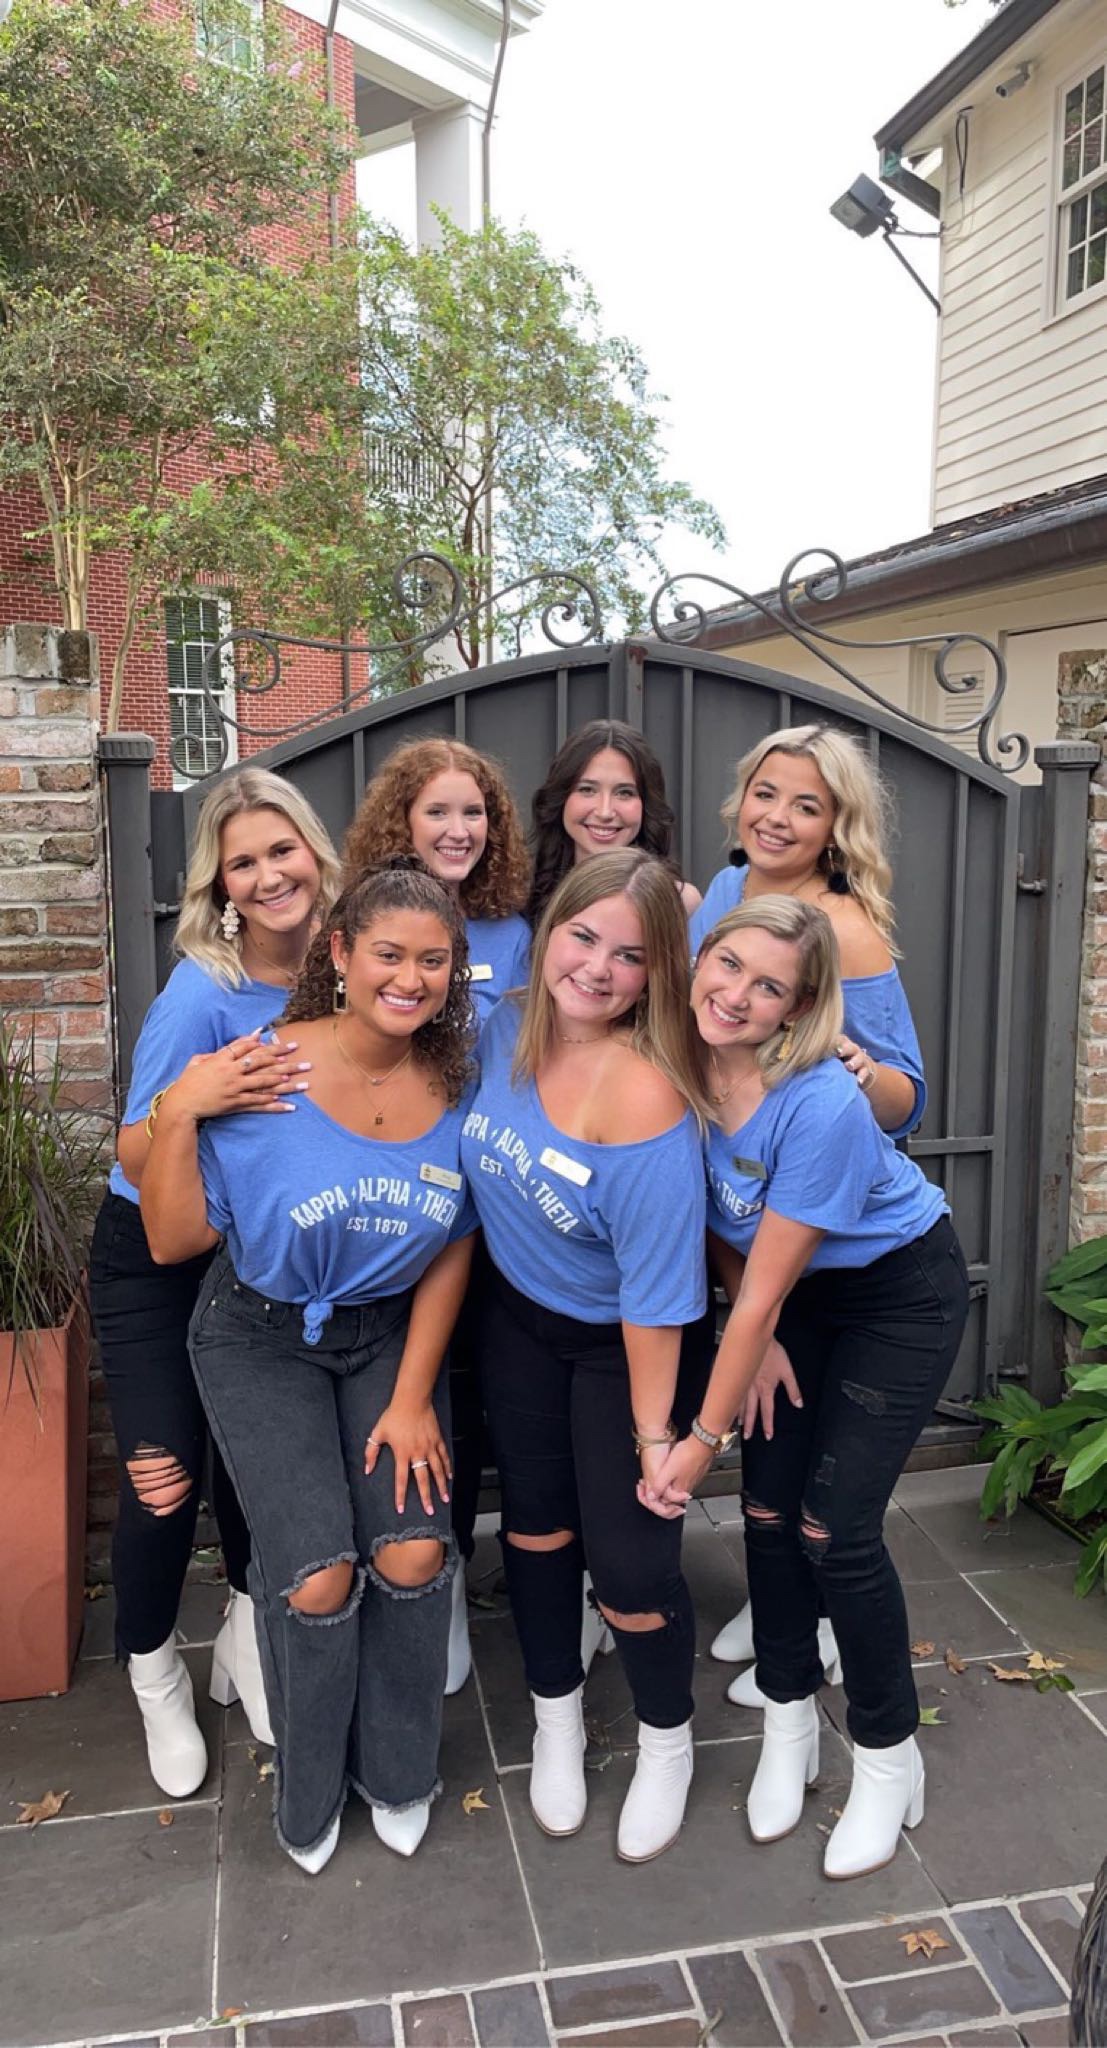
(1029, 1441)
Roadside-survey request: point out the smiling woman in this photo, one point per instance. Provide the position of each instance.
(604, 789)
(262, 874)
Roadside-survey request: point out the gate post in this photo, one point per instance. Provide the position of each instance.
(1082, 713)
(1066, 767)
(125, 759)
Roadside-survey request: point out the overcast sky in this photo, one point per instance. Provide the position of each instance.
(686, 157)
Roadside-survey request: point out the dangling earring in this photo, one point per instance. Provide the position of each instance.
(230, 921)
(338, 1000)
(784, 1049)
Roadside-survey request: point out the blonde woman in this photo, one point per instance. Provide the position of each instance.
(263, 872)
(582, 1151)
(829, 1237)
(808, 815)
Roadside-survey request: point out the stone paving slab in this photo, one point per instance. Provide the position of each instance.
(496, 1937)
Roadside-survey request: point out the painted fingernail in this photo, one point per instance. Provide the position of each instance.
(301, 1087)
(302, 1067)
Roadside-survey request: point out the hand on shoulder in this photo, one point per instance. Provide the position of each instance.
(861, 949)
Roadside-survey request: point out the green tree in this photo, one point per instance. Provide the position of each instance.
(140, 319)
(487, 380)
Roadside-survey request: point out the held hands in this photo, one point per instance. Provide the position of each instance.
(244, 1075)
(415, 1440)
(670, 1476)
(857, 1062)
(776, 1371)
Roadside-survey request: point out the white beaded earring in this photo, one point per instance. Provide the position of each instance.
(338, 1000)
(230, 921)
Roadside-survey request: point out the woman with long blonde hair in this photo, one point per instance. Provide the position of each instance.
(582, 1149)
(262, 874)
(809, 818)
(827, 1236)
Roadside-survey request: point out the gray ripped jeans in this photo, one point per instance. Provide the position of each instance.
(355, 1697)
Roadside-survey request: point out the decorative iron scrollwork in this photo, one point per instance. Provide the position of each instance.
(428, 589)
(1006, 751)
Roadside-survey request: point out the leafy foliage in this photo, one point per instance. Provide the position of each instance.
(139, 317)
(51, 1179)
(1070, 1438)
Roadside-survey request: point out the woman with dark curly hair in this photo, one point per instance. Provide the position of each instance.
(604, 789)
(318, 1342)
(452, 807)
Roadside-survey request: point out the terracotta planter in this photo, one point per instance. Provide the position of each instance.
(43, 1487)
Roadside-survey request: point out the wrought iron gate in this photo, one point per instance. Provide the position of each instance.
(988, 889)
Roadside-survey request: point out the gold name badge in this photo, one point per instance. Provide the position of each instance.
(480, 973)
(439, 1176)
(752, 1167)
(569, 1169)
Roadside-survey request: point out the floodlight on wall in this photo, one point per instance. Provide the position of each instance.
(867, 210)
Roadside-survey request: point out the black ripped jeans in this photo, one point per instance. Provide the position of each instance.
(872, 1348)
(557, 1395)
(141, 1312)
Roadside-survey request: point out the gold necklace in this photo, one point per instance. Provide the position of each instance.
(719, 1093)
(374, 1080)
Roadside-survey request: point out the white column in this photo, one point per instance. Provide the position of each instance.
(448, 168)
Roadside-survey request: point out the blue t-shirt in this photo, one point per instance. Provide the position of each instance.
(499, 959)
(194, 1013)
(877, 1013)
(314, 1214)
(600, 1232)
(812, 1152)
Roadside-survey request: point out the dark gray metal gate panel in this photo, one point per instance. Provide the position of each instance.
(956, 858)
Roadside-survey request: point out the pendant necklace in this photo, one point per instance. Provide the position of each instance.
(374, 1080)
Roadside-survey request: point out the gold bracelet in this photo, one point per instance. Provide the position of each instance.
(649, 1443)
(152, 1113)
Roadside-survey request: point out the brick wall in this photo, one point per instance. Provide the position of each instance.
(310, 681)
(1082, 714)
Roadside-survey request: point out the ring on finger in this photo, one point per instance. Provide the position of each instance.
(416, 1463)
(372, 1440)
(246, 1064)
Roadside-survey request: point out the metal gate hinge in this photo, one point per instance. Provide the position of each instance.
(1025, 888)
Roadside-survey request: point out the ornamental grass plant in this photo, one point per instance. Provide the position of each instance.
(51, 1179)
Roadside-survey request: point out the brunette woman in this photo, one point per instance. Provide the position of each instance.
(829, 1237)
(604, 790)
(262, 873)
(452, 807)
(318, 1340)
(809, 818)
(581, 1149)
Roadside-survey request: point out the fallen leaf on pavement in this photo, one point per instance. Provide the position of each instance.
(1007, 1677)
(45, 1808)
(1053, 1681)
(474, 1802)
(265, 1770)
(930, 1717)
(923, 1941)
(822, 1827)
(231, 2012)
(1036, 1662)
(955, 1663)
(165, 1818)
(95, 1592)
(921, 1649)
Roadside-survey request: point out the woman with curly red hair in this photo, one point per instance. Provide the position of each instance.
(450, 805)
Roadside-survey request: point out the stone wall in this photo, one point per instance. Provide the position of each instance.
(1082, 714)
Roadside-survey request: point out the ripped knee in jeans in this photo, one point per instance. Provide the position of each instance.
(413, 1563)
(326, 1592)
(762, 1517)
(160, 1481)
(814, 1536)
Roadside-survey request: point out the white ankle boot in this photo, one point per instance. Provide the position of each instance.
(558, 1795)
(314, 1860)
(888, 1792)
(734, 1643)
(236, 1666)
(174, 1744)
(402, 1831)
(459, 1657)
(788, 1763)
(745, 1691)
(596, 1639)
(653, 1809)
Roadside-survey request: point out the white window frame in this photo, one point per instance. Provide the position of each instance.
(226, 50)
(225, 695)
(1065, 198)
